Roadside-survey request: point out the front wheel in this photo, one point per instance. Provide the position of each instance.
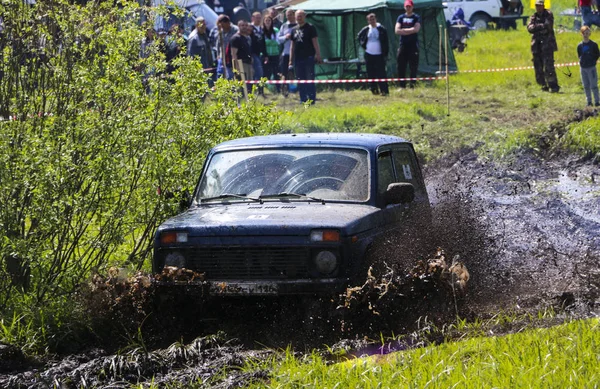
(480, 22)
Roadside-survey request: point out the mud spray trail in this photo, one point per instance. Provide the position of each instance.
(528, 232)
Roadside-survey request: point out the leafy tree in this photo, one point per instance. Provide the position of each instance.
(93, 136)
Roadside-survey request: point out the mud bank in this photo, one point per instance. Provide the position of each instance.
(528, 231)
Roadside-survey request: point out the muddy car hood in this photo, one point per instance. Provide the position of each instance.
(293, 218)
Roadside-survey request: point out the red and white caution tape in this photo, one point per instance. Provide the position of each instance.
(349, 81)
(441, 76)
(558, 65)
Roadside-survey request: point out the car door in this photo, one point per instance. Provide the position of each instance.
(386, 175)
(407, 169)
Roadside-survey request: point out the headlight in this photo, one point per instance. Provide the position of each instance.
(173, 237)
(326, 262)
(175, 259)
(324, 236)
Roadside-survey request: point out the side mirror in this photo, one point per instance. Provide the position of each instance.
(399, 193)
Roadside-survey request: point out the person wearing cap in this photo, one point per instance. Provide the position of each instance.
(198, 44)
(408, 26)
(543, 46)
(220, 36)
(373, 38)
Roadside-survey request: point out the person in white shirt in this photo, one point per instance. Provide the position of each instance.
(373, 38)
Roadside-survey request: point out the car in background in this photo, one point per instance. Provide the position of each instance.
(190, 10)
(480, 13)
(291, 214)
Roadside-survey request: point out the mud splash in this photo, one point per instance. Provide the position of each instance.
(527, 231)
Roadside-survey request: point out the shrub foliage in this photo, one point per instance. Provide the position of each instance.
(89, 147)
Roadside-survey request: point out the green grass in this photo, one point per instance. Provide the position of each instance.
(497, 112)
(564, 356)
(584, 137)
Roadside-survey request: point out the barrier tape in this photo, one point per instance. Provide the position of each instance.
(558, 65)
(441, 76)
(350, 81)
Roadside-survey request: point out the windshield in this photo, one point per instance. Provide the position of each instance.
(328, 174)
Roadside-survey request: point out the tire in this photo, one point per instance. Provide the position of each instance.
(480, 21)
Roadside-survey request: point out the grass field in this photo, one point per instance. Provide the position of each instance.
(559, 357)
(500, 110)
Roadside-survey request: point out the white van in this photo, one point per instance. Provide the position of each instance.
(504, 13)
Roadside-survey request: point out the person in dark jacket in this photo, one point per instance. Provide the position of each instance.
(543, 46)
(373, 38)
(198, 44)
(588, 53)
(408, 26)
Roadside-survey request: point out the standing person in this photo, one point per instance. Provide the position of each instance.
(274, 13)
(240, 49)
(588, 14)
(199, 44)
(543, 46)
(173, 42)
(408, 26)
(588, 53)
(373, 38)
(220, 36)
(304, 53)
(257, 45)
(284, 38)
(271, 62)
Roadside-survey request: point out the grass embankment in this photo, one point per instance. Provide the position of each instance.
(560, 357)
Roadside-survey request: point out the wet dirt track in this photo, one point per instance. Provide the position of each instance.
(542, 219)
(528, 231)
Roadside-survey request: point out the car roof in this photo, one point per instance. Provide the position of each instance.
(369, 141)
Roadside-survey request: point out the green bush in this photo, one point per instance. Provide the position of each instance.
(87, 163)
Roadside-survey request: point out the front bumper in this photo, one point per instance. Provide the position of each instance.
(259, 288)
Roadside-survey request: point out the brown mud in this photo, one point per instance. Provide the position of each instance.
(528, 232)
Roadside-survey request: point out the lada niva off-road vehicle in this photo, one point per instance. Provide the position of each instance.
(292, 214)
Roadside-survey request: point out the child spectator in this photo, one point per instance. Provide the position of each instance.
(588, 53)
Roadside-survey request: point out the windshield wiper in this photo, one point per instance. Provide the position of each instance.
(290, 194)
(229, 195)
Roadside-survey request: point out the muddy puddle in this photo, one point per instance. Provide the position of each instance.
(528, 232)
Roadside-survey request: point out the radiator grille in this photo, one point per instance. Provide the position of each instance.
(249, 263)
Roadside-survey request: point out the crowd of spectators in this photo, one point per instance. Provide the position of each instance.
(268, 48)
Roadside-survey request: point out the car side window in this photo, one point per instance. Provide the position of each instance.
(385, 171)
(406, 168)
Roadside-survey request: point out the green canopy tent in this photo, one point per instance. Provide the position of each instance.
(339, 21)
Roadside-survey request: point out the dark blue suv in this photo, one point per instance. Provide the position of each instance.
(291, 214)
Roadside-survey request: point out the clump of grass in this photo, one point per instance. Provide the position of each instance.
(584, 137)
(562, 356)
